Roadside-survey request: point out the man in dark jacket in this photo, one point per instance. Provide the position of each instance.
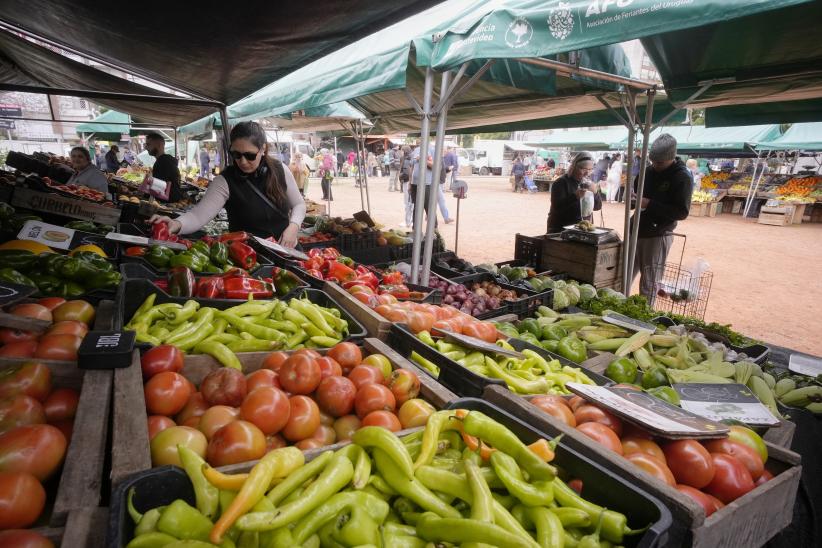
(165, 165)
(112, 163)
(666, 199)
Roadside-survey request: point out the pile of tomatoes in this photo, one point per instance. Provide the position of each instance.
(299, 398)
(711, 472)
(71, 323)
(425, 316)
(36, 422)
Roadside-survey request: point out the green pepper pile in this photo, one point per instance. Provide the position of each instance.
(254, 326)
(431, 486)
(532, 375)
(56, 275)
(201, 258)
(12, 220)
(88, 226)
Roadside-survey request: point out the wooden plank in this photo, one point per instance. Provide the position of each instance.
(23, 323)
(375, 325)
(86, 528)
(598, 363)
(129, 447)
(67, 207)
(769, 506)
(782, 435)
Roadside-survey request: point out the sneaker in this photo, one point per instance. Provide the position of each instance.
(449, 221)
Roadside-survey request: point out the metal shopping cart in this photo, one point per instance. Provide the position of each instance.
(678, 290)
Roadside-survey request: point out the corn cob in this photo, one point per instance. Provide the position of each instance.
(801, 397)
(637, 340)
(607, 344)
(665, 341)
(769, 380)
(643, 359)
(762, 391)
(783, 386)
(743, 372)
(814, 407)
(677, 376)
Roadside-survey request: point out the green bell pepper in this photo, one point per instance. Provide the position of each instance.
(12, 276)
(18, 259)
(507, 328)
(6, 210)
(531, 326)
(51, 263)
(103, 280)
(654, 377)
(184, 522)
(529, 337)
(553, 332)
(218, 254)
(550, 346)
(70, 290)
(94, 259)
(191, 260)
(285, 282)
(665, 393)
(573, 349)
(201, 247)
(46, 283)
(158, 256)
(622, 371)
(78, 270)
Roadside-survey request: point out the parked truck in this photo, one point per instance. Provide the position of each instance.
(494, 157)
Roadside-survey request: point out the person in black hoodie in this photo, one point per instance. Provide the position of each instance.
(666, 199)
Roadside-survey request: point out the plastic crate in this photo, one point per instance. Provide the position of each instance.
(132, 229)
(600, 485)
(400, 252)
(334, 242)
(523, 307)
(528, 249)
(132, 293)
(445, 272)
(374, 255)
(357, 242)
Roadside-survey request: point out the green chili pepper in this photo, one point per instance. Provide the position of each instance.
(622, 371)
(573, 517)
(149, 521)
(437, 423)
(219, 352)
(132, 511)
(592, 540)
(12, 276)
(330, 509)
(179, 315)
(460, 531)
(18, 259)
(206, 495)
(573, 349)
(519, 385)
(537, 493)
(333, 478)
(362, 464)
(184, 522)
(429, 366)
(152, 540)
(411, 488)
(189, 335)
(482, 504)
(299, 477)
(549, 528)
(665, 393)
(380, 438)
(241, 324)
(614, 524)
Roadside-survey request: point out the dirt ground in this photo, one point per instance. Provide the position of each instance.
(767, 280)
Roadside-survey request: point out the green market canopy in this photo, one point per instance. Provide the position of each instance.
(806, 136)
(736, 141)
(109, 126)
(592, 139)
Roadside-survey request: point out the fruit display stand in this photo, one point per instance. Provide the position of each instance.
(76, 514)
(130, 443)
(751, 520)
(598, 265)
(776, 215)
(704, 209)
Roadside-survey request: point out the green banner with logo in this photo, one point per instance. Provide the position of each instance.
(539, 28)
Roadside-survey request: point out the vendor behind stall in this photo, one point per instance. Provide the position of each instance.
(260, 196)
(567, 191)
(165, 165)
(86, 173)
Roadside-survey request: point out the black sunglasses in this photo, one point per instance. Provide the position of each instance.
(249, 156)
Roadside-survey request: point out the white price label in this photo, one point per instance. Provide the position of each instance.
(46, 234)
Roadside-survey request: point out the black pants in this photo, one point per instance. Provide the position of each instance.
(412, 191)
(620, 193)
(326, 186)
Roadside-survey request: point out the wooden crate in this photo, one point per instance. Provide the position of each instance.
(375, 325)
(749, 521)
(713, 209)
(704, 209)
(130, 444)
(776, 216)
(598, 265)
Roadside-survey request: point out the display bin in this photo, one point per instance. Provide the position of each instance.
(75, 492)
(334, 242)
(757, 353)
(374, 255)
(526, 305)
(357, 242)
(132, 293)
(749, 521)
(528, 250)
(458, 379)
(601, 485)
(448, 273)
(376, 325)
(130, 444)
(598, 265)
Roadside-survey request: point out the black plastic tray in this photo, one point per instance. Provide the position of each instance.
(334, 242)
(357, 242)
(528, 250)
(374, 255)
(600, 485)
(523, 307)
(132, 293)
(757, 353)
(458, 379)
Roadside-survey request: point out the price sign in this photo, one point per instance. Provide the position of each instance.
(277, 248)
(724, 401)
(628, 323)
(142, 240)
(46, 234)
(805, 365)
(11, 293)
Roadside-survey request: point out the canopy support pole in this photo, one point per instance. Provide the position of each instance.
(360, 162)
(436, 168)
(613, 111)
(446, 93)
(226, 132)
(365, 173)
(748, 196)
(174, 133)
(749, 205)
(559, 66)
(627, 194)
(471, 81)
(646, 131)
(705, 86)
(422, 166)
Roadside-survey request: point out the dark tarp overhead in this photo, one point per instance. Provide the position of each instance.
(25, 63)
(773, 57)
(209, 48)
(783, 112)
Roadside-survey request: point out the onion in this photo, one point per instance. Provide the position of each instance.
(479, 309)
(448, 299)
(480, 292)
(494, 291)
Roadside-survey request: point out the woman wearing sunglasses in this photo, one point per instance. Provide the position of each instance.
(260, 196)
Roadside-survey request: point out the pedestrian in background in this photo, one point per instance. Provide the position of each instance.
(693, 168)
(112, 163)
(340, 161)
(406, 170)
(394, 156)
(614, 179)
(205, 163)
(371, 160)
(518, 172)
(300, 172)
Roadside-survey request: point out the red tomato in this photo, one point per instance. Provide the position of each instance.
(38, 449)
(631, 444)
(415, 412)
(158, 423)
(367, 299)
(746, 436)
(304, 419)
(716, 502)
(602, 435)
(335, 396)
(51, 302)
(224, 386)
(19, 411)
(24, 538)
(731, 479)
(704, 500)
(328, 367)
(161, 358)
(267, 408)
(592, 413)
(275, 360)
(215, 418)
(310, 352)
(300, 374)
(556, 407)
(22, 498)
(166, 393)
(274, 442)
(9, 335)
(58, 347)
(20, 349)
(237, 441)
(194, 408)
(419, 321)
(652, 466)
(78, 329)
(66, 427)
(32, 379)
(485, 331)
(80, 311)
(346, 426)
(404, 384)
(347, 354)
(325, 434)
(164, 445)
(576, 401)
(746, 455)
(309, 443)
(380, 362)
(261, 377)
(362, 375)
(690, 463)
(32, 310)
(576, 485)
(374, 397)
(385, 419)
(765, 477)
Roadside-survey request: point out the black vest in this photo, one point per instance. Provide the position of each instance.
(247, 210)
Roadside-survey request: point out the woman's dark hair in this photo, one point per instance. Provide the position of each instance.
(275, 189)
(84, 151)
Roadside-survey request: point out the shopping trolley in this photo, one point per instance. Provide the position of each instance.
(679, 290)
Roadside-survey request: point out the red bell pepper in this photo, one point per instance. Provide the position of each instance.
(329, 252)
(392, 278)
(369, 279)
(181, 282)
(242, 288)
(209, 240)
(159, 231)
(316, 274)
(341, 272)
(315, 252)
(210, 288)
(235, 237)
(242, 255)
(234, 273)
(162, 284)
(185, 242)
(135, 251)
